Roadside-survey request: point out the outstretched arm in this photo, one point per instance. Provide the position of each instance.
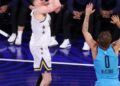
(116, 44)
(88, 37)
(52, 6)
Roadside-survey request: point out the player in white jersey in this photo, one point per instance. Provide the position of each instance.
(40, 38)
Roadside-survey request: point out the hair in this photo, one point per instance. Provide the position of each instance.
(108, 4)
(104, 39)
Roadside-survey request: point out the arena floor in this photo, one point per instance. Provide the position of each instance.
(71, 67)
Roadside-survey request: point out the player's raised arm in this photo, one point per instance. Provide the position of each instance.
(89, 39)
(52, 5)
(116, 21)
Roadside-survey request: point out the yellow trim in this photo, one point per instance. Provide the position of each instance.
(44, 64)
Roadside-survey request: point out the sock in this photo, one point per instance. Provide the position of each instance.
(14, 34)
(66, 39)
(53, 37)
(19, 34)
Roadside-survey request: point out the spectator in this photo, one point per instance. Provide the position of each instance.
(105, 10)
(19, 9)
(74, 12)
(56, 23)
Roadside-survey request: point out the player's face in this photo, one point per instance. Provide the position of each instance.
(39, 2)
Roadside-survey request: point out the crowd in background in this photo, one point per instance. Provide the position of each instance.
(68, 20)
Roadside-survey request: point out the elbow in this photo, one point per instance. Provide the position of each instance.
(58, 6)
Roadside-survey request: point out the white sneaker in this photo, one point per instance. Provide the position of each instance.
(65, 44)
(12, 38)
(18, 41)
(53, 42)
(85, 47)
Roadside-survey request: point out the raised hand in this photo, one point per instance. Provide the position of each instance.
(89, 9)
(115, 19)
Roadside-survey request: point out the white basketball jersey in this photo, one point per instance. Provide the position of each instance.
(40, 31)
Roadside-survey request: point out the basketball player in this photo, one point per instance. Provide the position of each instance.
(104, 53)
(40, 38)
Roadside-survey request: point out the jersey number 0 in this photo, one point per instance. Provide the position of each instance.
(107, 61)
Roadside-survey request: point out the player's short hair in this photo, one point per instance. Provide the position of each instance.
(104, 39)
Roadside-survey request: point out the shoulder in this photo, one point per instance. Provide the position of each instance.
(48, 17)
(31, 14)
(116, 46)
